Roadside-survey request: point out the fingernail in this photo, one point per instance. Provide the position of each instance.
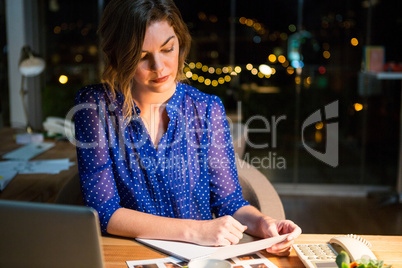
(290, 238)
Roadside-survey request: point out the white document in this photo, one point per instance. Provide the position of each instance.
(6, 175)
(188, 251)
(53, 166)
(28, 151)
(8, 169)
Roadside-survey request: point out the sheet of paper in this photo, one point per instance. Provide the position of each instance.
(28, 151)
(53, 166)
(8, 169)
(245, 248)
(6, 175)
(11, 165)
(188, 251)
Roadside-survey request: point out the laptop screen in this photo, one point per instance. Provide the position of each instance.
(48, 235)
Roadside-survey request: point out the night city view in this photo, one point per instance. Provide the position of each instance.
(333, 37)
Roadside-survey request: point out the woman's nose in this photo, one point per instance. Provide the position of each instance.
(157, 64)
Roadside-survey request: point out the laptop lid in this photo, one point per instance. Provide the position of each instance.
(49, 235)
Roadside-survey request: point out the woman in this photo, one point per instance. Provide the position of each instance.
(155, 155)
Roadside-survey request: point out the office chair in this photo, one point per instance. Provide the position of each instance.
(256, 189)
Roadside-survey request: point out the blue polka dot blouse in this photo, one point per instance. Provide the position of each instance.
(190, 175)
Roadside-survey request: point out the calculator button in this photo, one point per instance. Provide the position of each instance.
(308, 253)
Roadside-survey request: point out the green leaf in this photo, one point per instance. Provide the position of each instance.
(344, 265)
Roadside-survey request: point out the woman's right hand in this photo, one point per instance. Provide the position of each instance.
(221, 231)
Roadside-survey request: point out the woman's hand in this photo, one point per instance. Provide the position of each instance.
(271, 227)
(218, 232)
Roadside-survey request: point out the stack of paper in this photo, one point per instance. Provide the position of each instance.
(19, 162)
(187, 251)
(28, 151)
(8, 169)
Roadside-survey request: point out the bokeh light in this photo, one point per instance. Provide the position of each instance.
(63, 79)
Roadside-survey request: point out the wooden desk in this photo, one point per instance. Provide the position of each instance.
(37, 187)
(119, 250)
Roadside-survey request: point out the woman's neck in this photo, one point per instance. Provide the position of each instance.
(153, 111)
(147, 100)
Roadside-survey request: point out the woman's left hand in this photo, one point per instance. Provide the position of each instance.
(272, 227)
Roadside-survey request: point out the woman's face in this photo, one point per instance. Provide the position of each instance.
(157, 68)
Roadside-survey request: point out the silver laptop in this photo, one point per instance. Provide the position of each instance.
(48, 235)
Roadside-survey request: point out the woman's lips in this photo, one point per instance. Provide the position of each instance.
(160, 79)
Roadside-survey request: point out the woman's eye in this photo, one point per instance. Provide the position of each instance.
(168, 50)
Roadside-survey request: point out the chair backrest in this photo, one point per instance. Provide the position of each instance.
(70, 194)
(258, 191)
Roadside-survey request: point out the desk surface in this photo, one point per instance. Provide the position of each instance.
(37, 187)
(119, 250)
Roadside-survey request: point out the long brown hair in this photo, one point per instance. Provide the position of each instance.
(122, 30)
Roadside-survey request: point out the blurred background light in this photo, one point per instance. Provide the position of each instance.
(358, 107)
(354, 42)
(63, 79)
(265, 69)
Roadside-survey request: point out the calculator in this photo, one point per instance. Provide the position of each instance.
(324, 255)
(316, 255)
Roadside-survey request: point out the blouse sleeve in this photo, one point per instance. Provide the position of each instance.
(226, 195)
(92, 123)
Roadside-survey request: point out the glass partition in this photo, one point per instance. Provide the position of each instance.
(291, 71)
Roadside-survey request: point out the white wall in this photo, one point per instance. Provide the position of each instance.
(15, 41)
(22, 18)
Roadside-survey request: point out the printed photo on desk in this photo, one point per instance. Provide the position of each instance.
(252, 260)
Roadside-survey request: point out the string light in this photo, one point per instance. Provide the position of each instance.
(191, 65)
(272, 58)
(281, 59)
(225, 73)
(252, 23)
(265, 69)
